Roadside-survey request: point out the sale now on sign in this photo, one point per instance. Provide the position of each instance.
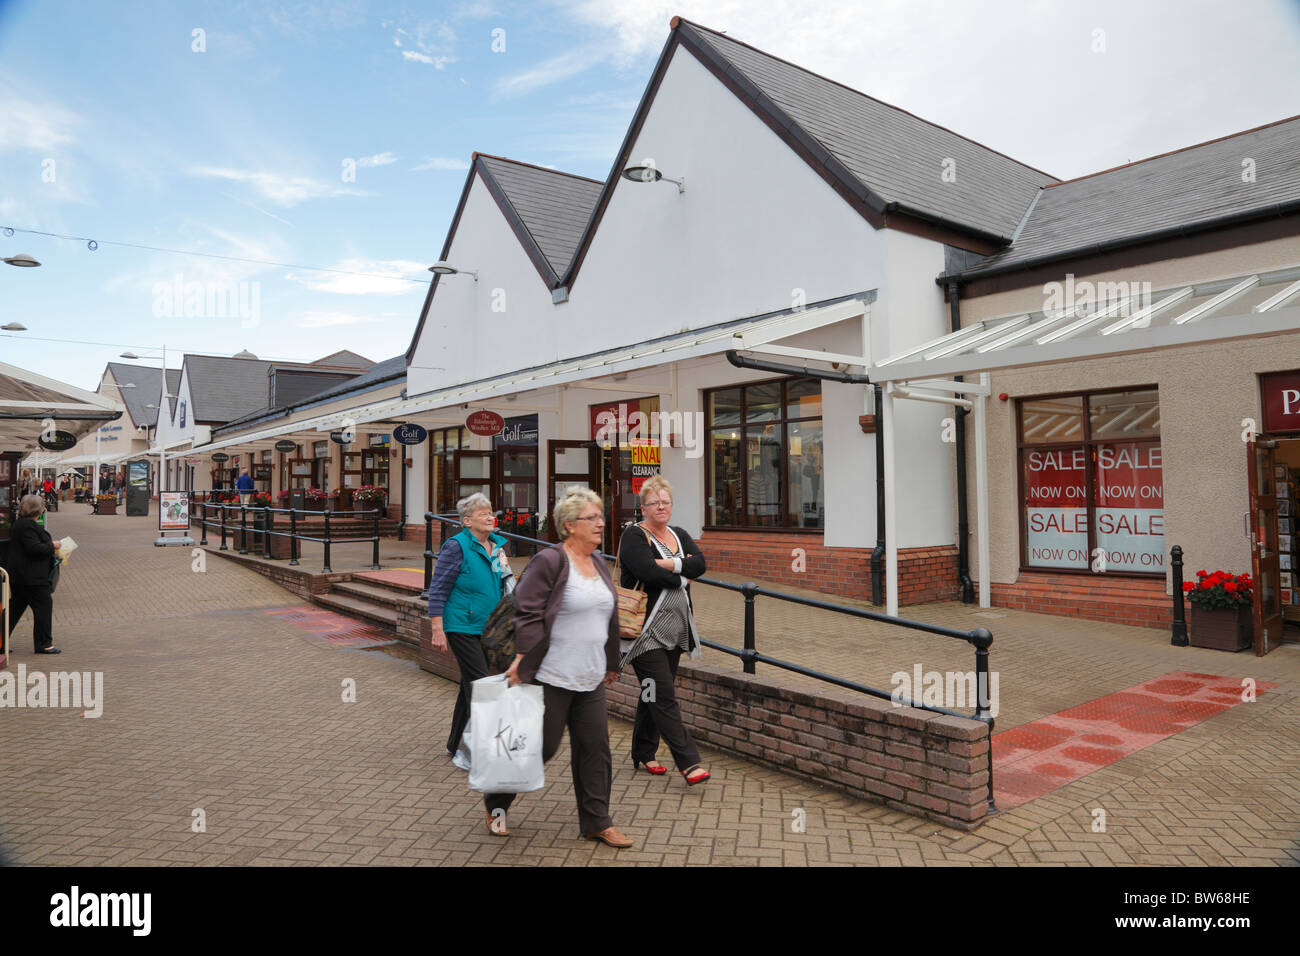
(1128, 507)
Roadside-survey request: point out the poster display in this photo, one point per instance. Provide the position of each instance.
(645, 463)
(1128, 508)
(173, 511)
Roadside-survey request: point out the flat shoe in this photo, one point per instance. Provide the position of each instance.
(610, 837)
(497, 825)
(49, 650)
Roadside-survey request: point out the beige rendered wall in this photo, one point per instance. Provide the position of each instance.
(1205, 393)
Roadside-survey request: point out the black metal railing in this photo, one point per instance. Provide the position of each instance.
(979, 638)
(1178, 637)
(232, 518)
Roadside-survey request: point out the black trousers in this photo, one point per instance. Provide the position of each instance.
(661, 716)
(585, 714)
(41, 601)
(468, 649)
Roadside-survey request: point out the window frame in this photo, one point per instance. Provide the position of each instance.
(781, 423)
(1090, 477)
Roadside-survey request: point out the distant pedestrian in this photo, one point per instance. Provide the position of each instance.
(105, 483)
(664, 559)
(117, 485)
(467, 584)
(244, 484)
(567, 640)
(31, 557)
(25, 485)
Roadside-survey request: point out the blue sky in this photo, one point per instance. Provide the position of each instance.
(113, 126)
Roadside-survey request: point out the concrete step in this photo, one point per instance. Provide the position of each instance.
(374, 593)
(386, 617)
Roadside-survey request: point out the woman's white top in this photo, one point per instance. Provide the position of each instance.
(575, 657)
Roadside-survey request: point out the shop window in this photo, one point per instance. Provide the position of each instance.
(765, 462)
(1092, 491)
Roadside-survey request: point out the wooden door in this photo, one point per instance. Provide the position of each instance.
(1265, 568)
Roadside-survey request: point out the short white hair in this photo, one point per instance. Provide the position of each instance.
(570, 506)
(467, 506)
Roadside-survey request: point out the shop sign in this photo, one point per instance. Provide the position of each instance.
(59, 441)
(285, 446)
(645, 464)
(1280, 398)
(220, 456)
(517, 431)
(1129, 508)
(483, 422)
(174, 510)
(342, 437)
(410, 434)
(379, 441)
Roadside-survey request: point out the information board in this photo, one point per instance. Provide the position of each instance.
(173, 511)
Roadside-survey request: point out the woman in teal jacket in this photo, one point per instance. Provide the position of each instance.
(467, 585)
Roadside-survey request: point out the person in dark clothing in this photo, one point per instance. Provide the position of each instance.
(664, 560)
(31, 556)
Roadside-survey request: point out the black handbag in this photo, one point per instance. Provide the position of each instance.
(55, 563)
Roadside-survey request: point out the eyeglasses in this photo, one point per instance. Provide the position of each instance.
(658, 504)
(600, 518)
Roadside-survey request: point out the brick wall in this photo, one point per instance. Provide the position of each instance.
(1135, 601)
(301, 582)
(927, 764)
(924, 574)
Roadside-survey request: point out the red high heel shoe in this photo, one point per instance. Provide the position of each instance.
(696, 774)
(658, 770)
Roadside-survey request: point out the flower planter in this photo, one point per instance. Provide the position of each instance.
(368, 506)
(1221, 629)
(107, 508)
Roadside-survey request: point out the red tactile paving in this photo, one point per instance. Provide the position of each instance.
(403, 577)
(1041, 756)
(332, 628)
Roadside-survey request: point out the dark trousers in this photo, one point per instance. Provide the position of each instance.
(41, 601)
(468, 649)
(660, 717)
(584, 713)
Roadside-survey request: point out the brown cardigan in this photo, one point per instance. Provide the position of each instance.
(537, 602)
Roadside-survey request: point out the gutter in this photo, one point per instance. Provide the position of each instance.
(963, 510)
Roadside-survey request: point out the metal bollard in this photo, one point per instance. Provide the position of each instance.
(293, 536)
(983, 640)
(203, 523)
(267, 518)
(374, 562)
(243, 530)
(428, 555)
(1179, 636)
(327, 569)
(221, 509)
(750, 590)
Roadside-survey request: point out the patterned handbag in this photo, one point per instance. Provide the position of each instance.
(498, 637)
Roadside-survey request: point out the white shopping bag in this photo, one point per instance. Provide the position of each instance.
(505, 729)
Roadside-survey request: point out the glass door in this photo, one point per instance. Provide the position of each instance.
(1265, 567)
(570, 463)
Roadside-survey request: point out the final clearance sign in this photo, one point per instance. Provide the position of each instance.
(1129, 507)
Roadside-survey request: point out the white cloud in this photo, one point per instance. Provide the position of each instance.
(555, 70)
(374, 283)
(279, 189)
(380, 159)
(441, 162)
(418, 57)
(32, 124)
(433, 42)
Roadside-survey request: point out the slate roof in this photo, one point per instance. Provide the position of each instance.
(897, 156)
(378, 374)
(553, 207)
(148, 386)
(1172, 193)
(344, 357)
(223, 389)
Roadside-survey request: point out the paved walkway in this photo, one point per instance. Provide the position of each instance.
(213, 704)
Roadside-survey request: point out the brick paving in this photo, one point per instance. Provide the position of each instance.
(214, 703)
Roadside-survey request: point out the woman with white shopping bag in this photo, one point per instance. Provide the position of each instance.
(567, 640)
(469, 579)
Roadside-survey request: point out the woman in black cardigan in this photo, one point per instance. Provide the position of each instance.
(664, 560)
(31, 554)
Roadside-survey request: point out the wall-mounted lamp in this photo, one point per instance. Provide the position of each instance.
(443, 268)
(645, 173)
